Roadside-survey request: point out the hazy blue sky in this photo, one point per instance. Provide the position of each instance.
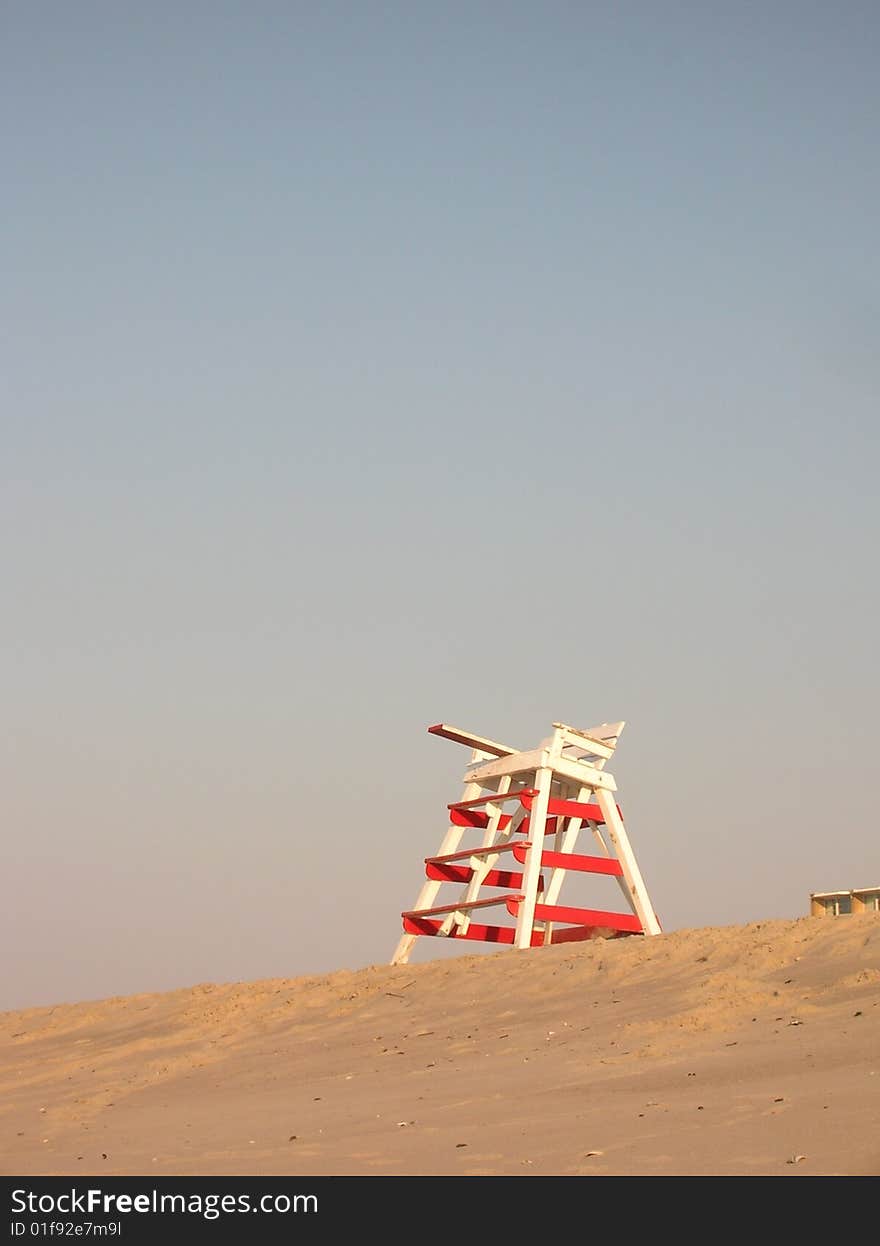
(365, 365)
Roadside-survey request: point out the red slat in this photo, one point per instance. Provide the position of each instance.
(551, 826)
(573, 861)
(481, 934)
(579, 934)
(464, 905)
(472, 852)
(473, 817)
(580, 917)
(494, 798)
(503, 934)
(462, 874)
(479, 820)
(570, 808)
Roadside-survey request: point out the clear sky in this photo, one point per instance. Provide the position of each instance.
(370, 364)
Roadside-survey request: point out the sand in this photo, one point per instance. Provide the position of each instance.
(738, 1050)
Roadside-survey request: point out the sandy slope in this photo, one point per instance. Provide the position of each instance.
(704, 1051)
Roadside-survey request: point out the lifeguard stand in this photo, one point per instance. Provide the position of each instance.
(517, 800)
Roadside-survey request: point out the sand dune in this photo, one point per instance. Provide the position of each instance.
(752, 1049)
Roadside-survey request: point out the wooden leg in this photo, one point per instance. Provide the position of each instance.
(566, 841)
(430, 888)
(532, 867)
(428, 894)
(638, 893)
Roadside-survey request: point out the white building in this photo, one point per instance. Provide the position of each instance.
(837, 903)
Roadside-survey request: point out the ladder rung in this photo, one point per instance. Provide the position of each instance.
(499, 934)
(474, 852)
(476, 819)
(463, 905)
(570, 808)
(507, 880)
(573, 861)
(581, 917)
(482, 934)
(494, 798)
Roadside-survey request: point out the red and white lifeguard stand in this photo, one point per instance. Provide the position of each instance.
(517, 800)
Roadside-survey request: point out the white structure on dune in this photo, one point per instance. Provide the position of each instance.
(518, 801)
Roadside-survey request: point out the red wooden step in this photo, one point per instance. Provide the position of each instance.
(494, 798)
(467, 812)
(579, 934)
(473, 817)
(464, 853)
(572, 861)
(569, 808)
(464, 905)
(509, 880)
(580, 917)
(501, 934)
(481, 934)
(551, 826)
